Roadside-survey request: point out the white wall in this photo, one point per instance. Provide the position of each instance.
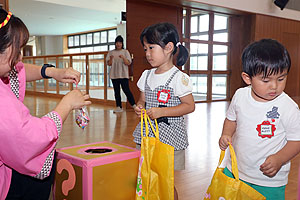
(48, 45)
(121, 30)
(52, 45)
(266, 7)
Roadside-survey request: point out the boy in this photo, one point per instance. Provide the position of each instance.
(263, 122)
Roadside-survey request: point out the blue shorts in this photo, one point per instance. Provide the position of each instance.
(270, 193)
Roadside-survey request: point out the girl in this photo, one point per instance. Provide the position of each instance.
(119, 59)
(27, 143)
(166, 92)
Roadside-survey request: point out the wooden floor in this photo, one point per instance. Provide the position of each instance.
(204, 129)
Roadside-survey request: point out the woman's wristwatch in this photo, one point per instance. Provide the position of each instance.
(43, 70)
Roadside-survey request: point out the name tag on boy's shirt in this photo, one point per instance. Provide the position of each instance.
(266, 129)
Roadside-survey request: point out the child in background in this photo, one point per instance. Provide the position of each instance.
(27, 143)
(263, 122)
(166, 92)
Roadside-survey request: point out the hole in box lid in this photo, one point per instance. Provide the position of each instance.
(99, 150)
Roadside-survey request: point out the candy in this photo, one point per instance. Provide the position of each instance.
(82, 117)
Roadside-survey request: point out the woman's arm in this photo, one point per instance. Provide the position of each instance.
(109, 62)
(125, 60)
(33, 72)
(65, 75)
(187, 106)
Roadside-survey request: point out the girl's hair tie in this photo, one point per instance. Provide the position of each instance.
(177, 44)
(6, 20)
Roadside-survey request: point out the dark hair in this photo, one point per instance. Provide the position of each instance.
(14, 34)
(119, 38)
(267, 57)
(163, 33)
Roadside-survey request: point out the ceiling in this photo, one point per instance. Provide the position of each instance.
(61, 17)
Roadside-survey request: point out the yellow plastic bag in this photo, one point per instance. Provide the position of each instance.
(156, 168)
(223, 187)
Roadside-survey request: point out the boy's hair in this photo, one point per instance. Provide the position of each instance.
(267, 57)
(163, 33)
(14, 34)
(119, 38)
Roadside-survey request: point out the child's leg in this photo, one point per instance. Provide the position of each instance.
(270, 193)
(179, 164)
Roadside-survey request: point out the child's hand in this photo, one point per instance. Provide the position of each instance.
(138, 109)
(154, 113)
(271, 166)
(223, 142)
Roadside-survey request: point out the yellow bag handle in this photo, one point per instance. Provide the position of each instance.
(145, 117)
(234, 166)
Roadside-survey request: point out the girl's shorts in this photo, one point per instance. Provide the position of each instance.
(179, 158)
(270, 193)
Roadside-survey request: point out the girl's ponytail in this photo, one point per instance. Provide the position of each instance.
(182, 56)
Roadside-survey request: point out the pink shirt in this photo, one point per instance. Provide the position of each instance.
(25, 141)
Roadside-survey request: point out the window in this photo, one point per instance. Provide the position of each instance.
(206, 36)
(93, 41)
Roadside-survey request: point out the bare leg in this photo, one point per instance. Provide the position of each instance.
(175, 194)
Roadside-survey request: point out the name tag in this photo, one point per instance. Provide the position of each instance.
(163, 96)
(266, 129)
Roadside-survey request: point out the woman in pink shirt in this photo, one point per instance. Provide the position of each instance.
(27, 143)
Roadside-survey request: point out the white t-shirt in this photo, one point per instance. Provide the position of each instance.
(181, 82)
(253, 140)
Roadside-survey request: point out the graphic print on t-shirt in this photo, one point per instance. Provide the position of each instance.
(266, 128)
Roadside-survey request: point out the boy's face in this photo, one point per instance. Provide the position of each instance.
(266, 88)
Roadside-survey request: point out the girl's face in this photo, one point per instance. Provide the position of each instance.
(5, 62)
(156, 55)
(266, 88)
(119, 45)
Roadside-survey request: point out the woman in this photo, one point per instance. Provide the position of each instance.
(119, 59)
(27, 143)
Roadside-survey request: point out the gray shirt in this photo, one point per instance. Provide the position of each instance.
(118, 68)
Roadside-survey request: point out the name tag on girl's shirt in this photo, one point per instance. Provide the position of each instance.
(163, 96)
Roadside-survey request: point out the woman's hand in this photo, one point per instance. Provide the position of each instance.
(76, 99)
(126, 62)
(65, 75)
(72, 100)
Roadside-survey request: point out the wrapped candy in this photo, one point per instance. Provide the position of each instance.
(82, 117)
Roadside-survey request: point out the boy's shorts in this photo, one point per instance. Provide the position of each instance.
(270, 193)
(179, 158)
